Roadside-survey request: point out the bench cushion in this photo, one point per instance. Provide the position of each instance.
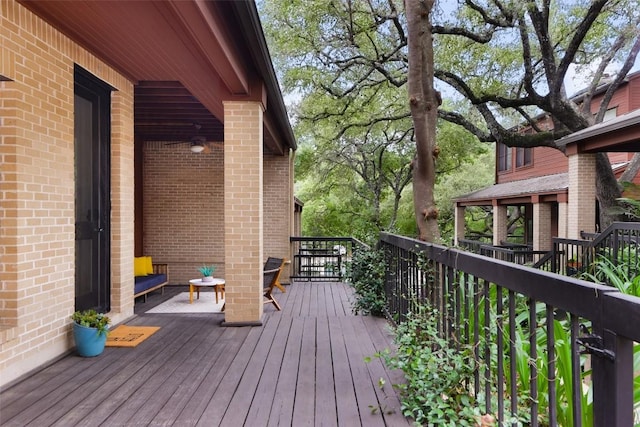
(145, 282)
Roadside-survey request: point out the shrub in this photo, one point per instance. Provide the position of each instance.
(438, 377)
(365, 274)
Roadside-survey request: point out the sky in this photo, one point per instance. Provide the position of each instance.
(578, 79)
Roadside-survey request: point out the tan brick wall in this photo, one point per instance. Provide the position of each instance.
(122, 201)
(499, 224)
(542, 235)
(278, 210)
(563, 208)
(36, 182)
(243, 211)
(183, 209)
(582, 195)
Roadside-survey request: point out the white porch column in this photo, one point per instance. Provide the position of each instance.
(500, 223)
(459, 224)
(541, 226)
(582, 195)
(243, 211)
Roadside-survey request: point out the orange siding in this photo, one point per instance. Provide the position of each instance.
(546, 161)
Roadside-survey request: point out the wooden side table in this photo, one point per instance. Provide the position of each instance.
(195, 284)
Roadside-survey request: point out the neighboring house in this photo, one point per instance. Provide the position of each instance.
(100, 105)
(546, 184)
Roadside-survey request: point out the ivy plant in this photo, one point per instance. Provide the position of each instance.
(365, 273)
(436, 391)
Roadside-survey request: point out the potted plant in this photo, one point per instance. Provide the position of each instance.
(573, 267)
(90, 330)
(207, 272)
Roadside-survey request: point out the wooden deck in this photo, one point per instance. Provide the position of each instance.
(304, 367)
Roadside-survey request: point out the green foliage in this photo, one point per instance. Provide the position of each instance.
(365, 273)
(437, 375)
(92, 319)
(619, 275)
(207, 270)
(473, 175)
(353, 125)
(628, 205)
(343, 66)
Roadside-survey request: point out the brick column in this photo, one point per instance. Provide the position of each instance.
(278, 209)
(582, 194)
(243, 211)
(499, 223)
(541, 226)
(459, 224)
(563, 209)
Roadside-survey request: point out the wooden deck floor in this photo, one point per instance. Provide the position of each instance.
(304, 367)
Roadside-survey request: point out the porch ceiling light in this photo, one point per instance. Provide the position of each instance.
(197, 148)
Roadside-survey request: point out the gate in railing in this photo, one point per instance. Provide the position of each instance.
(552, 349)
(322, 258)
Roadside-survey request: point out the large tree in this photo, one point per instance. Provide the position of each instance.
(424, 102)
(507, 59)
(513, 59)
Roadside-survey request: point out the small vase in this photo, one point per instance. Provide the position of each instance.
(89, 342)
(207, 279)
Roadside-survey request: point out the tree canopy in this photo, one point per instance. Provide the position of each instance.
(498, 64)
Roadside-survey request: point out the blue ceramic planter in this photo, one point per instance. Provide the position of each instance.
(89, 342)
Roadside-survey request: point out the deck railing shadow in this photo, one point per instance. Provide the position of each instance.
(541, 341)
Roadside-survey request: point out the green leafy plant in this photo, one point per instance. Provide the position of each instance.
(617, 275)
(92, 319)
(207, 270)
(436, 391)
(365, 273)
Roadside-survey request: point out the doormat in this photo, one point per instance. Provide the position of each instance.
(129, 336)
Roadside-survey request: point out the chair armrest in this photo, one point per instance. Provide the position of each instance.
(161, 269)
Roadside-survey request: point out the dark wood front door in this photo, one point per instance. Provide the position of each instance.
(92, 103)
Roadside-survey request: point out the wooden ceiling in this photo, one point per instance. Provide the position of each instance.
(185, 59)
(167, 111)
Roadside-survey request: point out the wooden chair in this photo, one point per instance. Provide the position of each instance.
(275, 263)
(270, 277)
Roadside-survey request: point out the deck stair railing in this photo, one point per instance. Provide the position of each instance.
(512, 252)
(552, 349)
(619, 244)
(322, 258)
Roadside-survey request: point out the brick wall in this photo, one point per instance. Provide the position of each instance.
(500, 223)
(243, 207)
(582, 195)
(37, 190)
(183, 208)
(278, 209)
(542, 221)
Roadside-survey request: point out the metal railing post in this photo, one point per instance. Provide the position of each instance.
(613, 382)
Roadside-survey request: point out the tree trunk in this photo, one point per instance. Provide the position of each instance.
(632, 169)
(424, 102)
(607, 191)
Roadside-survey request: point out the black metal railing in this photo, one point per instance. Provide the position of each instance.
(512, 252)
(551, 349)
(617, 246)
(322, 258)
